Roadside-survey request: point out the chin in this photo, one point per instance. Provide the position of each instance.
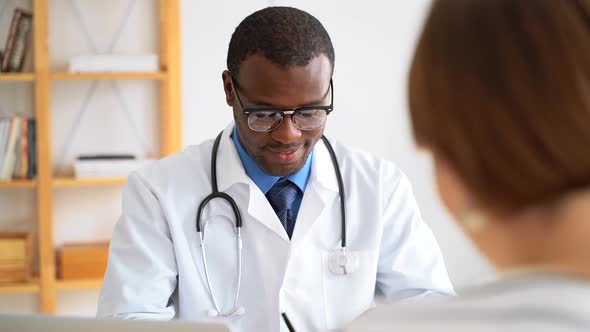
(283, 170)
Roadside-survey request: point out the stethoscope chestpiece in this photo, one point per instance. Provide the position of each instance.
(343, 262)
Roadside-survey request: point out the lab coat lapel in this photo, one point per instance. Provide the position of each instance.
(231, 171)
(229, 166)
(260, 209)
(320, 195)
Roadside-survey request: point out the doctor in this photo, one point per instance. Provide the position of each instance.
(300, 249)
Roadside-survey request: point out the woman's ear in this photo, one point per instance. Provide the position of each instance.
(228, 88)
(457, 198)
(450, 187)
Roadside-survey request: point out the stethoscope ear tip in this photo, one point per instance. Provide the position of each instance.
(241, 311)
(212, 313)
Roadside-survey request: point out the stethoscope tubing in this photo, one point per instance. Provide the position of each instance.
(215, 193)
(341, 191)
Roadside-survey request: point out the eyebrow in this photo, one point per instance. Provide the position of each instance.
(270, 105)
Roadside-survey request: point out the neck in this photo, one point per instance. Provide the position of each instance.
(552, 240)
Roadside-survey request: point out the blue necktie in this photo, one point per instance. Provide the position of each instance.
(281, 196)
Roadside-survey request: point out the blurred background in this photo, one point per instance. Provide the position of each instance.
(98, 115)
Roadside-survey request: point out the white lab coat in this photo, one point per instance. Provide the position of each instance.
(539, 303)
(155, 265)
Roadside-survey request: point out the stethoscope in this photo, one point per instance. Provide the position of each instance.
(340, 262)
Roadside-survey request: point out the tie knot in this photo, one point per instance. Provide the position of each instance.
(282, 195)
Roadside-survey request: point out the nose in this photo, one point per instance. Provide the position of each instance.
(286, 133)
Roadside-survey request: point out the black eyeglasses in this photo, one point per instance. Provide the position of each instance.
(268, 119)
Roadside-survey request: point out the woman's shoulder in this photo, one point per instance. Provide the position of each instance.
(517, 303)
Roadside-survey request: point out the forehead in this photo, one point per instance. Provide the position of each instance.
(284, 86)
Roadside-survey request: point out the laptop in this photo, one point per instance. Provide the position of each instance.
(37, 322)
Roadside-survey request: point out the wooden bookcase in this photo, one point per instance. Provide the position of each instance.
(46, 285)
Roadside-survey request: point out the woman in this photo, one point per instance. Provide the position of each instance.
(500, 96)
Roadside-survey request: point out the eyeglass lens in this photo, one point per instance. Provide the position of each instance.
(307, 119)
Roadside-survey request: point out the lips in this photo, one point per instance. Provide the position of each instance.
(283, 151)
(286, 155)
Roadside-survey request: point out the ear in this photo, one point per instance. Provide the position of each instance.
(450, 187)
(228, 88)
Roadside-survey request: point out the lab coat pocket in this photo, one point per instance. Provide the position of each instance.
(347, 296)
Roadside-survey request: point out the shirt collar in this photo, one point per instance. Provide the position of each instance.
(263, 180)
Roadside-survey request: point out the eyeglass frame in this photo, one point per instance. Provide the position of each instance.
(249, 110)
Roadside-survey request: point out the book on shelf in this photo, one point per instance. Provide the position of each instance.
(107, 165)
(4, 130)
(32, 149)
(17, 144)
(18, 147)
(108, 156)
(11, 146)
(18, 41)
(22, 157)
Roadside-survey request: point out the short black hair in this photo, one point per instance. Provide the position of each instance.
(284, 35)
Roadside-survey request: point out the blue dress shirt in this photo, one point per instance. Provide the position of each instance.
(265, 181)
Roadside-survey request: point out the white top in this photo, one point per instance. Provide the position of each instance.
(536, 303)
(155, 267)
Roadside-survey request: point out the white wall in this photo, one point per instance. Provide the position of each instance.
(373, 42)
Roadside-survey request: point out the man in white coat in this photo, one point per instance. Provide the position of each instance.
(275, 166)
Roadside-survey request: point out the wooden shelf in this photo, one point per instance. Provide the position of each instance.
(47, 183)
(18, 184)
(99, 182)
(22, 77)
(108, 76)
(20, 288)
(73, 285)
